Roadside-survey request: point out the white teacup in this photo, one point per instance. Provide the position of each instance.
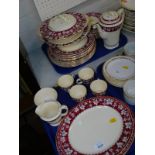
(45, 95)
(65, 81)
(52, 112)
(78, 92)
(85, 75)
(98, 87)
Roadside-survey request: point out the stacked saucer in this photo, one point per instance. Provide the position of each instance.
(117, 70)
(129, 21)
(68, 39)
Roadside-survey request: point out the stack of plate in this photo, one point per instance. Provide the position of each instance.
(118, 70)
(129, 21)
(73, 54)
(68, 40)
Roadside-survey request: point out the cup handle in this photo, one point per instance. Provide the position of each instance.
(64, 107)
(79, 81)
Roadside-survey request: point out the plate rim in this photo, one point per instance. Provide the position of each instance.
(100, 99)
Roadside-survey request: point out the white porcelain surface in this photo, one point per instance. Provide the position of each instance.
(98, 86)
(65, 81)
(62, 22)
(76, 45)
(78, 91)
(121, 68)
(86, 73)
(50, 111)
(45, 95)
(129, 49)
(98, 128)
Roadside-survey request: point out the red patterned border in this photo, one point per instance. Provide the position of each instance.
(79, 26)
(121, 146)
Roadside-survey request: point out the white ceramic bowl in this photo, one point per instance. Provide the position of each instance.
(98, 87)
(65, 81)
(45, 95)
(129, 49)
(129, 92)
(78, 92)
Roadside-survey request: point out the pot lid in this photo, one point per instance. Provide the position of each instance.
(62, 22)
(110, 16)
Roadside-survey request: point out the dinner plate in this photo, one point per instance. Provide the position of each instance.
(100, 125)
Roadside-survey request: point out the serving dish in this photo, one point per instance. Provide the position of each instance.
(94, 121)
(63, 28)
(117, 70)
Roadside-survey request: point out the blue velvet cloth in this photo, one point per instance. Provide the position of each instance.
(64, 98)
(100, 52)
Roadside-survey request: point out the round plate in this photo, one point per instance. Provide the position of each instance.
(80, 24)
(99, 125)
(120, 67)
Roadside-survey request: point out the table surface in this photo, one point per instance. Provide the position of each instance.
(64, 98)
(46, 76)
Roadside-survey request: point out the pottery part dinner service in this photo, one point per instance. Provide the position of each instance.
(71, 36)
(116, 117)
(69, 40)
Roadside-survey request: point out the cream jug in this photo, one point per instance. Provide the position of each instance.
(109, 27)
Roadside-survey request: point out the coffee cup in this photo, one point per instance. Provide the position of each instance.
(98, 87)
(78, 92)
(45, 95)
(85, 75)
(65, 81)
(51, 112)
